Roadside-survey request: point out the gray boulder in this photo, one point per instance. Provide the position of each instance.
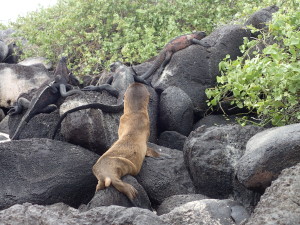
(33, 61)
(214, 120)
(44, 171)
(207, 211)
(94, 129)
(177, 200)
(211, 155)
(195, 68)
(18, 79)
(172, 139)
(111, 196)
(3, 51)
(165, 176)
(176, 111)
(62, 214)
(261, 17)
(281, 202)
(267, 154)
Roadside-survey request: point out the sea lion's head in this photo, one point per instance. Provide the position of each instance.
(136, 97)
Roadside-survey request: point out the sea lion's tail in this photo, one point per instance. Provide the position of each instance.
(107, 181)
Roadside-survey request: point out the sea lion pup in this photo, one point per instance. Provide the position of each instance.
(127, 154)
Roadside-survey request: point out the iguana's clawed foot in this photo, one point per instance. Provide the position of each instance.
(201, 42)
(103, 87)
(141, 80)
(163, 156)
(14, 110)
(54, 87)
(49, 109)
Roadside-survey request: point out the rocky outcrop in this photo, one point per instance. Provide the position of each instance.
(97, 130)
(281, 202)
(111, 196)
(211, 155)
(19, 79)
(40, 126)
(215, 120)
(63, 214)
(177, 200)
(43, 171)
(165, 176)
(207, 211)
(195, 68)
(36, 61)
(172, 139)
(267, 154)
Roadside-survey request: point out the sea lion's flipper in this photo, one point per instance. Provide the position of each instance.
(103, 183)
(152, 153)
(107, 181)
(100, 185)
(125, 188)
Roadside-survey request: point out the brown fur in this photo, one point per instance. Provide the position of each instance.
(170, 48)
(127, 154)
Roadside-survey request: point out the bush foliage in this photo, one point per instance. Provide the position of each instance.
(266, 80)
(95, 33)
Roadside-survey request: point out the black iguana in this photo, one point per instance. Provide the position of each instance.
(45, 97)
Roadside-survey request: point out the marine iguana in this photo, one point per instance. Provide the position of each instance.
(46, 96)
(170, 48)
(116, 85)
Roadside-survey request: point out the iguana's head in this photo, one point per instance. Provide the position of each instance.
(199, 35)
(114, 66)
(62, 71)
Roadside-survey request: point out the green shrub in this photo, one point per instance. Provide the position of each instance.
(267, 82)
(3, 26)
(95, 33)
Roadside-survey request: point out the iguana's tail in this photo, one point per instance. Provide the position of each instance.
(25, 119)
(157, 63)
(103, 107)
